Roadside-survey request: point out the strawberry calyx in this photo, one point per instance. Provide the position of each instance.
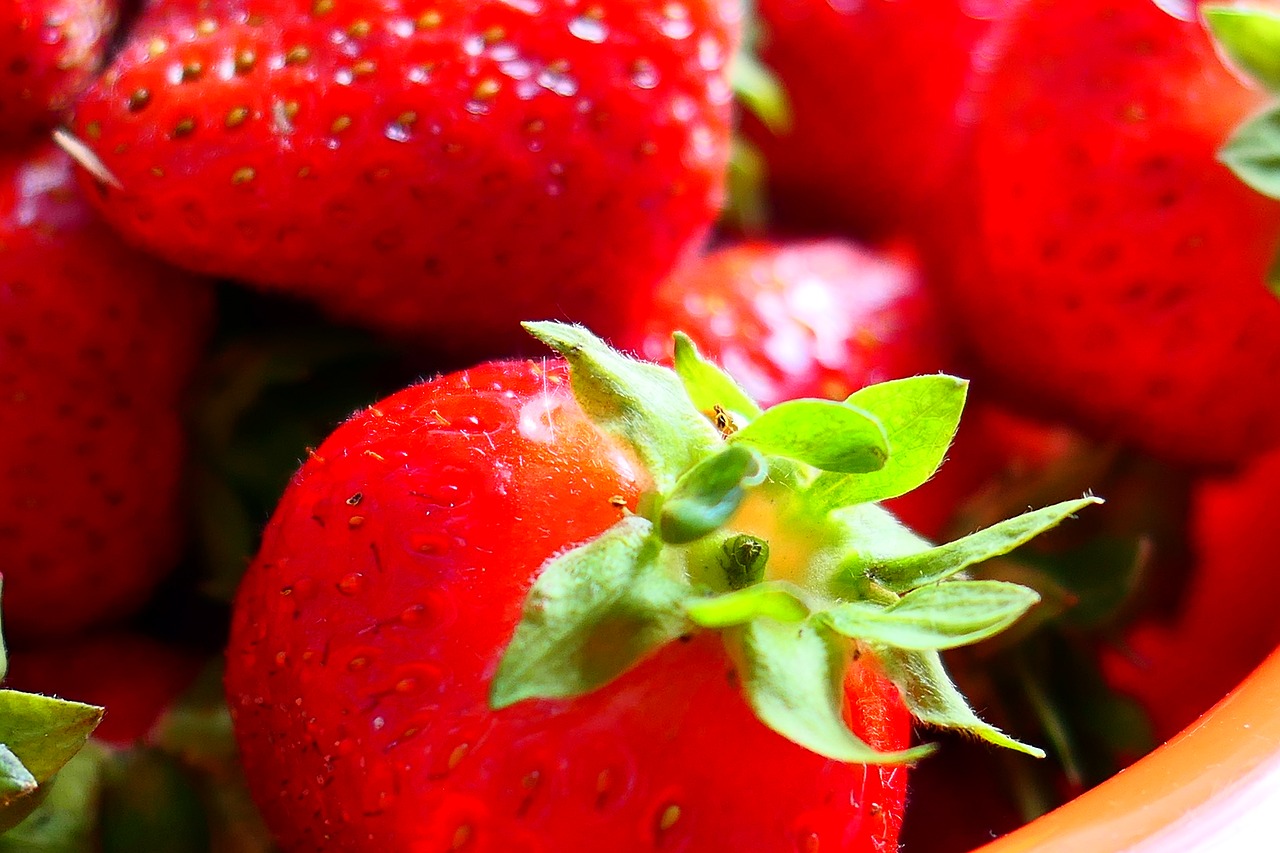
(38, 736)
(763, 525)
(1250, 39)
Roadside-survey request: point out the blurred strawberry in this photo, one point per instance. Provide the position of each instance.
(1100, 261)
(873, 88)
(97, 344)
(49, 51)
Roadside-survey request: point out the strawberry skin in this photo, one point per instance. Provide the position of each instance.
(368, 628)
(873, 89)
(97, 344)
(49, 50)
(1103, 265)
(818, 318)
(439, 172)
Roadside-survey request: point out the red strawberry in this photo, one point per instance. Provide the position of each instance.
(1226, 625)
(97, 344)
(134, 677)
(805, 319)
(1102, 263)
(374, 703)
(49, 50)
(437, 171)
(873, 88)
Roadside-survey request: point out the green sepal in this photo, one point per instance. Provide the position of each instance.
(933, 698)
(746, 183)
(829, 435)
(42, 734)
(942, 616)
(709, 494)
(707, 385)
(777, 600)
(793, 678)
(936, 564)
(642, 404)
(920, 416)
(591, 615)
(1273, 276)
(66, 818)
(760, 92)
(4, 653)
(1253, 152)
(15, 779)
(1251, 38)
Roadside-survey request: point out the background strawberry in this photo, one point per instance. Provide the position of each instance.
(440, 173)
(49, 50)
(1111, 271)
(97, 344)
(873, 89)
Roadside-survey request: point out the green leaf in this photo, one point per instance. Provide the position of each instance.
(943, 616)
(592, 614)
(793, 678)
(920, 416)
(829, 435)
(642, 404)
(42, 734)
(707, 385)
(1251, 38)
(934, 699)
(66, 819)
(936, 564)
(1253, 152)
(709, 493)
(760, 92)
(777, 600)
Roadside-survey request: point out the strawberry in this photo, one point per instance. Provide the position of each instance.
(435, 170)
(135, 678)
(97, 344)
(873, 89)
(49, 51)
(1102, 264)
(520, 606)
(804, 319)
(1180, 667)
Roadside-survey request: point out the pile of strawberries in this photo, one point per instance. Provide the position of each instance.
(559, 599)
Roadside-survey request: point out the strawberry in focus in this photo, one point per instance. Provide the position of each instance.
(435, 172)
(97, 346)
(1111, 271)
(522, 605)
(49, 51)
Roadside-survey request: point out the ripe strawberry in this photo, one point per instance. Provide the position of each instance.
(804, 319)
(135, 678)
(375, 705)
(439, 172)
(873, 88)
(1101, 262)
(1226, 625)
(49, 50)
(96, 346)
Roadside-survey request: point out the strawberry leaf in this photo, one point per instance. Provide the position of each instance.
(1253, 152)
(707, 385)
(777, 600)
(642, 404)
(1251, 38)
(40, 735)
(793, 678)
(66, 817)
(920, 416)
(934, 699)
(944, 616)
(829, 435)
(592, 614)
(936, 564)
(709, 493)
